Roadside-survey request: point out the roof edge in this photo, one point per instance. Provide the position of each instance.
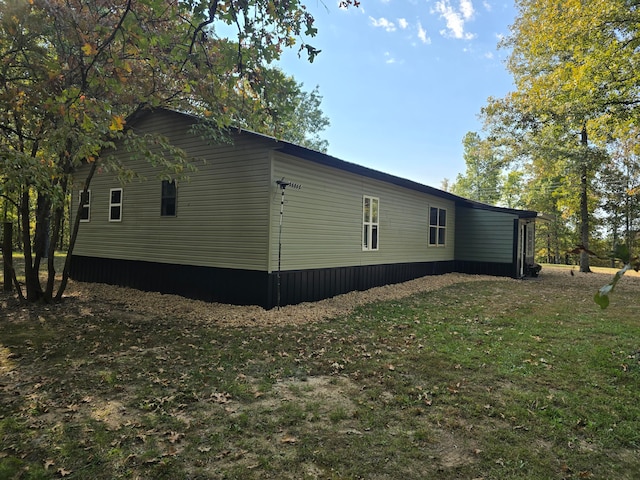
(334, 162)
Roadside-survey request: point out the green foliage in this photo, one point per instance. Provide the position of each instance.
(287, 112)
(574, 68)
(76, 74)
(482, 178)
(618, 188)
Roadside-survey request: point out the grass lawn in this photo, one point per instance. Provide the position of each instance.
(496, 379)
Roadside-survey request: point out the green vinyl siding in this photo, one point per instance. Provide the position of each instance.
(221, 210)
(322, 221)
(484, 235)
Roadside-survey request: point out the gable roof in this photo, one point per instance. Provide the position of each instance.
(333, 162)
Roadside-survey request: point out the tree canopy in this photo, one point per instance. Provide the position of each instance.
(481, 180)
(73, 71)
(574, 65)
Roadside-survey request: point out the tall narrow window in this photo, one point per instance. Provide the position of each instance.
(85, 201)
(437, 226)
(168, 202)
(115, 205)
(370, 226)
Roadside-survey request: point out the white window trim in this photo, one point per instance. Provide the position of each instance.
(368, 225)
(111, 205)
(437, 227)
(87, 206)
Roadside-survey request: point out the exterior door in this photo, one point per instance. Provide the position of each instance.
(526, 246)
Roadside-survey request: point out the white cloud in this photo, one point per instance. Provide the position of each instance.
(389, 59)
(403, 23)
(455, 19)
(466, 8)
(422, 34)
(383, 23)
(487, 6)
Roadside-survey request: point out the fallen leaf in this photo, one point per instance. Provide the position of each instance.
(204, 449)
(175, 436)
(48, 463)
(64, 473)
(171, 451)
(224, 453)
(288, 439)
(221, 397)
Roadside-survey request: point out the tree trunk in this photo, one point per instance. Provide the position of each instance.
(53, 241)
(584, 206)
(7, 255)
(74, 235)
(614, 244)
(31, 277)
(55, 226)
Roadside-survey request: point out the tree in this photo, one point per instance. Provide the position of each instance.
(619, 182)
(575, 71)
(482, 178)
(286, 111)
(512, 191)
(73, 71)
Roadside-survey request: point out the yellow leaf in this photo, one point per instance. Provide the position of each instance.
(117, 123)
(89, 49)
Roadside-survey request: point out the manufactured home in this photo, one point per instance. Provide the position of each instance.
(266, 222)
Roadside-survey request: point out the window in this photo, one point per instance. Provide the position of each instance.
(85, 201)
(437, 226)
(370, 209)
(115, 205)
(168, 202)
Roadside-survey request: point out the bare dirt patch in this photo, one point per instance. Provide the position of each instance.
(97, 297)
(90, 299)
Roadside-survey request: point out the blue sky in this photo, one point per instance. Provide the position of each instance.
(403, 81)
